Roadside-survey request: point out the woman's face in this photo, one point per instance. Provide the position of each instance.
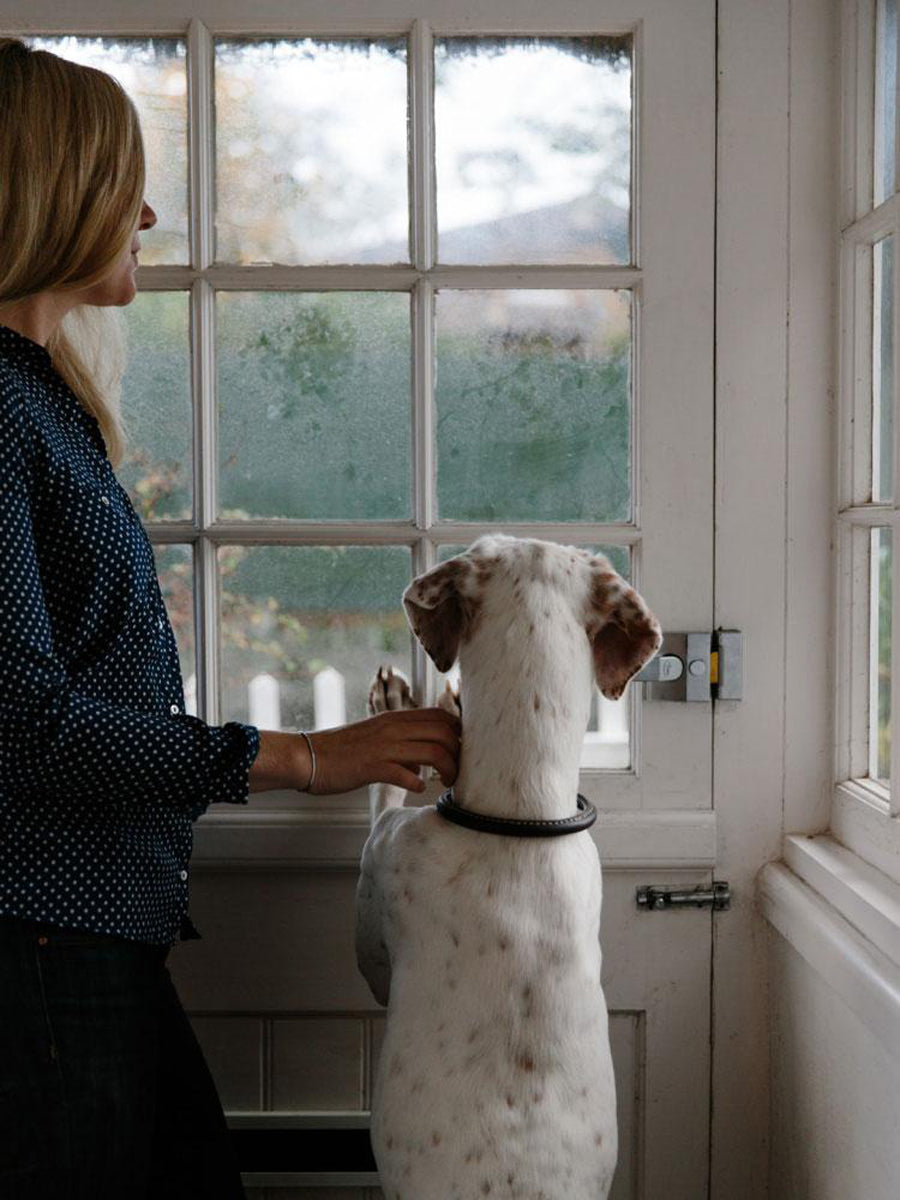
(117, 288)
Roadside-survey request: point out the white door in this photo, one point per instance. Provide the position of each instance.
(559, 196)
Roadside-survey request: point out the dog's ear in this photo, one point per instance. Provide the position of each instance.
(623, 632)
(440, 608)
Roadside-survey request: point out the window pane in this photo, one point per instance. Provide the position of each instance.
(153, 72)
(533, 149)
(883, 369)
(305, 628)
(156, 406)
(175, 568)
(880, 656)
(533, 405)
(311, 162)
(314, 404)
(606, 742)
(885, 98)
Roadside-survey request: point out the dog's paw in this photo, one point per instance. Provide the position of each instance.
(390, 689)
(449, 700)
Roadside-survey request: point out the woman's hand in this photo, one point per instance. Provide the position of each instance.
(386, 748)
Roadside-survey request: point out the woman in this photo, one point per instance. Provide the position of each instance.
(103, 1089)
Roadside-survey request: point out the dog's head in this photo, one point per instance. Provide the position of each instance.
(447, 605)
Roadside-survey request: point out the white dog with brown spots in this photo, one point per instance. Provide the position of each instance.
(495, 1077)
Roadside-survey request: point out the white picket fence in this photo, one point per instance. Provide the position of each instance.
(264, 699)
(604, 747)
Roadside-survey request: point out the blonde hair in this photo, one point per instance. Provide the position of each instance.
(72, 180)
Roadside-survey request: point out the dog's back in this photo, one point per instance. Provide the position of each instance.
(495, 1076)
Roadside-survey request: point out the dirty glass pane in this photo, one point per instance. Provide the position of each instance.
(533, 405)
(885, 98)
(153, 71)
(880, 655)
(606, 742)
(533, 149)
(314, 404)
(175, 569)
(305, 628)
(156, 406)
(883, 370)
(311, 159)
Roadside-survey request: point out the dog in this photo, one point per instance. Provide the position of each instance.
(495, 1077)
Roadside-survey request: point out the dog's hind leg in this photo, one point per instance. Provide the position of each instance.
(390, 689)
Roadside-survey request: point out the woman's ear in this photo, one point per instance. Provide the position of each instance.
(623, 632)
(440, 609)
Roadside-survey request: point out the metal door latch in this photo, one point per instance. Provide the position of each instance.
(653, 898)
(696, 666)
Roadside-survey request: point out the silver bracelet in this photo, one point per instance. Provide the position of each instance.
(312, 773)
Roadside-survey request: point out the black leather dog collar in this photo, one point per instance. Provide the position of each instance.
(514, 826)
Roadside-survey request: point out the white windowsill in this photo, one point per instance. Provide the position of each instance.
(842, 916)
(330, 838)
(861, 820)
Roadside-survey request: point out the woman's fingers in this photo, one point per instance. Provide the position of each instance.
(427, 725)
(404, 775)
(421, 722)
(432, 754)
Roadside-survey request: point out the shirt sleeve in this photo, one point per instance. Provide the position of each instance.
(56, 740)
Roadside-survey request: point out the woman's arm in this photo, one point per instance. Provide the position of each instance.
(57, 741)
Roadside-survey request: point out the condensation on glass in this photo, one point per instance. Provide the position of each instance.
(311, 151)
(314, 404)
(305, 628)
(156, 396)
(533, 149)
(884, 157)
(175, 569)
(533, 398)
(883, 369)
(881, 583)
(606, 743)
(153, 71)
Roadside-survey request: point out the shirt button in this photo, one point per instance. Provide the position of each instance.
(162, 623)
(173, 709)
(105, 500)
(183, 874)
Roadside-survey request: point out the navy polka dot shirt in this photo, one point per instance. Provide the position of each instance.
(101, 770)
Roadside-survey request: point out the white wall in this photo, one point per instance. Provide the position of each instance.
(835, 1091)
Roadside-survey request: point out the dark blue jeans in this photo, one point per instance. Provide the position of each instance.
(104, 1091)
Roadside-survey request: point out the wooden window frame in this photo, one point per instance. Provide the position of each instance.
(865, 814)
